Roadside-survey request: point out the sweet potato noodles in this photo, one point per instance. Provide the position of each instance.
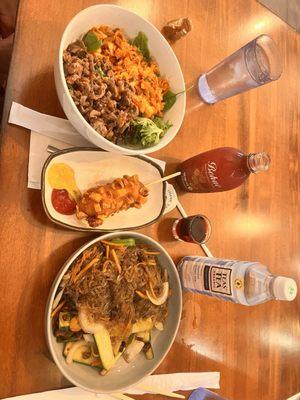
(113, 287)
(113, 82)
(111, 298)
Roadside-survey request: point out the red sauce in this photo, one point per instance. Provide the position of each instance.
(62, 202)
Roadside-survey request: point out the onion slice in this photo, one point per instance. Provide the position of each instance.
(158, 301)
(72, 350)
(86, 324)
(88, 338)
(57, 299)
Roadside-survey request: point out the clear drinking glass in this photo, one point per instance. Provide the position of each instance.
(253, 65)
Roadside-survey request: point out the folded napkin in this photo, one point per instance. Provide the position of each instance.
(169, 382)
(47, 130)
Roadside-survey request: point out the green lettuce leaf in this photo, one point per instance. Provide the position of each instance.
(148, 132)
(169, 99)
(141, 42)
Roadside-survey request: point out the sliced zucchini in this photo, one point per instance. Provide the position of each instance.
(144, 336)
(142, 325)
(116, 347)
(64, 320)
(132, 350)
(82, 355)
(148, 351)
(128, 242)
(67, 340)
(105, 349)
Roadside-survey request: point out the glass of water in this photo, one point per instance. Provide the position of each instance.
(253, 65)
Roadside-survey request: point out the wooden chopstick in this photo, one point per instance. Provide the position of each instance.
(164, 178)
(121, 396)
(158, 390)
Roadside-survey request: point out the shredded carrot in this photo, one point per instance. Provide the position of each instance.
(59, 307)
(152, 253)
(86, 254)
(130, 65)
(112, 243)
(107, 251)
(87, 267)
(114, 254)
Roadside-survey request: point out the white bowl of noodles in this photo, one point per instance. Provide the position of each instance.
(160, 51)
(122, 375)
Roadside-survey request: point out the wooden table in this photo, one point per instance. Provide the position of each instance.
(256, 349)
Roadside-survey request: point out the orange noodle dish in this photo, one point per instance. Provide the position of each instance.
(117, 87)
(109, 302)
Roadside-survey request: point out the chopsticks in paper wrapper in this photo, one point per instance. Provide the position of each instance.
(155, 383)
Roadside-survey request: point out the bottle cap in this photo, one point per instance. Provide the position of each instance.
(284, 288)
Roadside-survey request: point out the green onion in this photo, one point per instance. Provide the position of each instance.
(100, 71)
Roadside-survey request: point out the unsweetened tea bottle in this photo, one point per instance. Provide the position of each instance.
(220, 169)
(243, 282)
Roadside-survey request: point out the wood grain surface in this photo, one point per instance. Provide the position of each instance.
(256, 349)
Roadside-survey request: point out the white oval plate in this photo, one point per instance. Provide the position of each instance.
(94, 167)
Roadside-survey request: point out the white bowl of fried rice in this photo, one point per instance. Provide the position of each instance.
(124, 373)
(117, 78)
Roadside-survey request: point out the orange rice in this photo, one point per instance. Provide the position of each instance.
(129, 64)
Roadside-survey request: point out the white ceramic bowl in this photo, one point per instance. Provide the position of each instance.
(168, 64)
(122, 375)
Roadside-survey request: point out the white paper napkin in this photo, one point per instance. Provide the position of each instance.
(47, 125)
(169, 382)
(48, 130)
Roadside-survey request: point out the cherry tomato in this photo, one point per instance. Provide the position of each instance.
(62, 202)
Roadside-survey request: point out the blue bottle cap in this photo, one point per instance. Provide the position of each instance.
(204, 394)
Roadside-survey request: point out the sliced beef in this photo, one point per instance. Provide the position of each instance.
(106, 103)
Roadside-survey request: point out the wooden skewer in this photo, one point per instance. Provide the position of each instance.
(164, 178)
(158, 390)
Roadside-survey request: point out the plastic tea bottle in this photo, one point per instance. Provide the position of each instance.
(220, 169)
(204, 394)
(243, 282)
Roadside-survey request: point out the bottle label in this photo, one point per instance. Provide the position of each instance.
(211, 168)
(185, 182)
(220, 279)
(203, 179)
(214, 277)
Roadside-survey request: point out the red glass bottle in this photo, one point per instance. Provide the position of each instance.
(220, 169)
